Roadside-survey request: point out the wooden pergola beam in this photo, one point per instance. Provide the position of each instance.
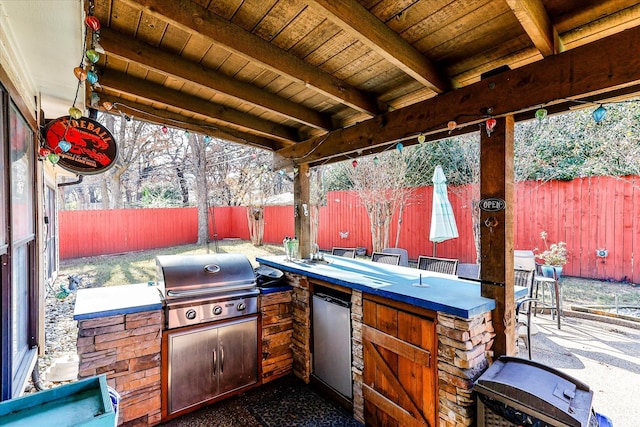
(194, 18)
(573, 74)
(536, 23)
(356, 20)
(153, 58)
(160, 94)
(165, 117)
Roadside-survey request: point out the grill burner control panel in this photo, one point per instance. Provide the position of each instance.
(200, 312)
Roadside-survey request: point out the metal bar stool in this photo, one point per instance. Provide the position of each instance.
(553, 286)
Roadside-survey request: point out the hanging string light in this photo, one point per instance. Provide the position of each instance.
(451, 125)
(376, 160)
(599, 114)
(354, 163)
(399, 147)
(490, 125)
(421, 139)
(541, 114)
(64, 145)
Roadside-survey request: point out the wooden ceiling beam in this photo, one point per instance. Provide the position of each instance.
(163, 95)
(368, 29)
(194, 18)
(164, 117)
(536, 23)
(574, 74)
(132, 50)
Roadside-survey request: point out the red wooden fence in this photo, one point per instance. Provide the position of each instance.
(588, 214)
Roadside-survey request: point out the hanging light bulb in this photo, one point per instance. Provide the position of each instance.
(92, 55)
(64, 145)
(541, 114)
(399, 147)
(80, 73)
(599, 113)
(207, 139)
(92, 22)
(53, 158)
(44, 152)
(490, 124)
(451, 125)
(421, 139)
(186, 133)
(92, 77)
(281, 171)
(354, 163)
(376, 160)
(165, 129)
(75, 112)
(295, 170)
(107, 105)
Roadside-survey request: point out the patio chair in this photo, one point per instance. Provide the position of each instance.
(525, 279)
(439, 265)
(404, 255)
(468, 271)
(381, 257)
(344, 252)
(552, 285)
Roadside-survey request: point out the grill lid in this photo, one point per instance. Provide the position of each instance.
(194, 275)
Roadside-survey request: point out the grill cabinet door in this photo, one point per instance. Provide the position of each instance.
(193, 376)
(238, 350)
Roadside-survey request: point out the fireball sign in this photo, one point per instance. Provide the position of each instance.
(93, 149)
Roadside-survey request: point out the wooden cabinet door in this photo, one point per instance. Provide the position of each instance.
(400, 371)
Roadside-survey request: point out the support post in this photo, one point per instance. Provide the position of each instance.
(496, 230)
(302, 209)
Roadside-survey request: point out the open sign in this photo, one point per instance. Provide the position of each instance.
(492, 204)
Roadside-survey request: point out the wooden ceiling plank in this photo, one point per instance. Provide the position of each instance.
(573, 74)
(192, 17)
(163, 62)
(620, 21)
(158, 93)
(355, 19)
(537, 24)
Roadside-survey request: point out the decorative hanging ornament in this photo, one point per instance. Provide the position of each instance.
(75, 112)
(44, 152)
(490, 125)
(376, 160)
(92, 55)
(354, 163)
(107, 105)
(53, 158)
(64, 145)
(186, 133)
(399, 147)
(165, 129)
(295, 170)
(281, 171)
(92, 22)
(451, 125)
(207, 139)
(599, 113)
(541, 114)
(421, 139)
(92, 77)
(80, 73)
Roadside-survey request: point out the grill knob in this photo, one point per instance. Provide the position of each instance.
(241, 306)
(190, 314)
(217, 310)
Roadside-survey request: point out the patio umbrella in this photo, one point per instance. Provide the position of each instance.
(443, 223)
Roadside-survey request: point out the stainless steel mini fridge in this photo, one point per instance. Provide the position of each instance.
(332, 343)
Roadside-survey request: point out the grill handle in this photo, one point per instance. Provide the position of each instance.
(209, 291)
(214, 362)
(212, 268)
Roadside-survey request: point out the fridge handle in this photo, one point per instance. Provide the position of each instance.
(214, 362)
(221, 359)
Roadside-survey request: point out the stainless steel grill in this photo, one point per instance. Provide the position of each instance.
(208, 358)
(206, 288)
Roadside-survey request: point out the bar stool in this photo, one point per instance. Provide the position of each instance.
(553, 286)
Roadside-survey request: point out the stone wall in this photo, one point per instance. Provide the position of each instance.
(464, 353)
(126, 348)
(357, 354)
(277, 327)
(301, 337)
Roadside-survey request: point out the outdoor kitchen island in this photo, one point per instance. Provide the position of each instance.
(419, 338)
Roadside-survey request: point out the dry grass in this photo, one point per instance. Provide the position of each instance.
(140, 267)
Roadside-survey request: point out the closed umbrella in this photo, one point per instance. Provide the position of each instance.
(443, 223)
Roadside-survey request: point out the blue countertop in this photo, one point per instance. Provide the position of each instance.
(114, 300)
(430, 290)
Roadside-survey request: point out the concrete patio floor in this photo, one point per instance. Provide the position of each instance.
(603, 355)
